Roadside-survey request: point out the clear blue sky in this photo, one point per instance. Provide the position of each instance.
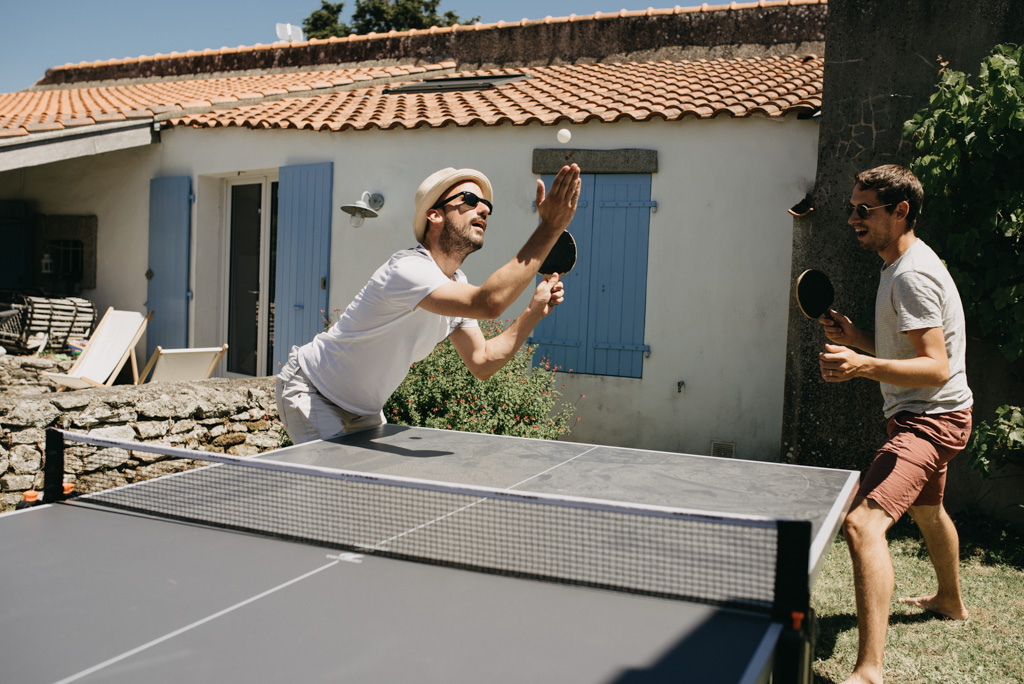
(40, 35)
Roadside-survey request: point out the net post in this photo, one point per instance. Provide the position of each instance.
(53, 468)
(792, 606)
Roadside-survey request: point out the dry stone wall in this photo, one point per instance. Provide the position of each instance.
(23, 375)
(221, 415)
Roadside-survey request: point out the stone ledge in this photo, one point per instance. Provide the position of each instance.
(234, 416)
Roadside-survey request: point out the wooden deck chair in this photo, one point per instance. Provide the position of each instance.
(176, 365)
(112, 344)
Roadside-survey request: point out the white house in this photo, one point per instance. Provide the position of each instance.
(218, 203)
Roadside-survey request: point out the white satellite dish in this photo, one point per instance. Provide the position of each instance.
(289, 33)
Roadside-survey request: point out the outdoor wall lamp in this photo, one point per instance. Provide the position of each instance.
(365, 208)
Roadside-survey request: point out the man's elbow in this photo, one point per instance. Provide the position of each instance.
(489, 303)
(940, 376)
(481, 373)
(490, 308)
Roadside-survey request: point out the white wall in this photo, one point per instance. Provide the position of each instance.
(719, 263)
(115, 188)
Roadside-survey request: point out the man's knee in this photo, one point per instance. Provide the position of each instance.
(866, 520)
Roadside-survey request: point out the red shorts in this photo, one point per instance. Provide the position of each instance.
(910, 470)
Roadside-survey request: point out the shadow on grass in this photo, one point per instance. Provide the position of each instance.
(984, 538)
(831, 626)
(829, 629)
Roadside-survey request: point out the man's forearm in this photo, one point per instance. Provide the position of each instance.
(917, 372)
(504, 286)
(500, 349)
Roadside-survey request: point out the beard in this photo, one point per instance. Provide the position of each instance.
(455, 241)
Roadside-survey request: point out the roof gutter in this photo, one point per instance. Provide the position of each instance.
(54, 146)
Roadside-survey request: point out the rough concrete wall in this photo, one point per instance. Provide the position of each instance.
(881, 67)
(794, 28)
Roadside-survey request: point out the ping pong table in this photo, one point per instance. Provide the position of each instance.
(595, 568)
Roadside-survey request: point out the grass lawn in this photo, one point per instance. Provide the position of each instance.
(988, 648)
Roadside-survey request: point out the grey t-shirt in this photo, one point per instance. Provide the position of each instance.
(917, 292)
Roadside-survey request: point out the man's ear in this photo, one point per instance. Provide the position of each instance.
(902, 210)
(434, 218)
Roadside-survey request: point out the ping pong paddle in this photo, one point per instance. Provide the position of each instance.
(562, 256)
(814, 293)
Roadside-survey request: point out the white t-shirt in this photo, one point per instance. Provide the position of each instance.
(364, 357)
(916, 292)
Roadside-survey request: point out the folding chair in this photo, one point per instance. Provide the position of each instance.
(110, 346)
(176, 365)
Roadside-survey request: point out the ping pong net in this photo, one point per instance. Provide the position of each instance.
(748, 562)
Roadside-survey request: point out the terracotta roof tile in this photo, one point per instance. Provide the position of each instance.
(636, 91)
(116, 101)
(765, 86)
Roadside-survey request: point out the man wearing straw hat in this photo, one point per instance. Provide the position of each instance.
(339, 381)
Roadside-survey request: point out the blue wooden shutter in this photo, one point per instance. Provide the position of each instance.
(303, 255)
(618, 302)
(599, 328)
(167, 293)
(561, 338)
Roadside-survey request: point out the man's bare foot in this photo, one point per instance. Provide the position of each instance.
(859, 677)
(935, 605)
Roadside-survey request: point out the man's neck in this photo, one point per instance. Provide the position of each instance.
(448, 263)
(898, 248)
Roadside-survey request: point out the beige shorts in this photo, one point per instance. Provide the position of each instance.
(910, 470)
(308, 415)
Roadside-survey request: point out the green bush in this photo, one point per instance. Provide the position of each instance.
(969, 155)
(519, 400)
(994, 446)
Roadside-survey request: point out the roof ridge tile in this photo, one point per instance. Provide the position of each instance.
(478, 26)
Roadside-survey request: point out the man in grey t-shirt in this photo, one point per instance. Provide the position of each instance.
(916, 353)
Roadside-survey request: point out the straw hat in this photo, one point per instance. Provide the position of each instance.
(435, 185)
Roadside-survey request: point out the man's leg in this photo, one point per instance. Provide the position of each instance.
(943, 544)
(305, 413)
(865, 528)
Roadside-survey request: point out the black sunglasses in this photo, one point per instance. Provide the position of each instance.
(863, 210)
(471, 199)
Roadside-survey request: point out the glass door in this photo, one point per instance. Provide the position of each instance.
(252, 248)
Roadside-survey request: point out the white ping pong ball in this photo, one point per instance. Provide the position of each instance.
(564, 135)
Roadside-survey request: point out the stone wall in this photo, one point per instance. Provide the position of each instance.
(222, 415)
(23, 375)
(680, 33)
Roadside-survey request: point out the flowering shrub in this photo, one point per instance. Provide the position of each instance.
(518, 400)
(330, 319)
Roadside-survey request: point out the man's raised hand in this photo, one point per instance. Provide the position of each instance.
(557, 207)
